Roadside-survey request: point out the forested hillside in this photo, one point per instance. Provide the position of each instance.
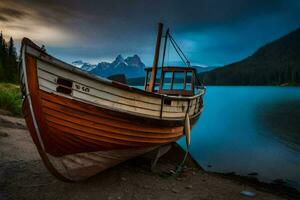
(277, 63)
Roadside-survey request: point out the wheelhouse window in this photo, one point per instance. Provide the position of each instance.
(157, 81)
(178, 81)
(167, 81)
(173, 80)
(188, 84)
(147, 78)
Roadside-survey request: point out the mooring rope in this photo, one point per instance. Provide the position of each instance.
(187, 130)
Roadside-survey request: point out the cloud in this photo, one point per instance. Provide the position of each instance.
(97, 29)
(3, 18)
(6, 13)
(32, 19)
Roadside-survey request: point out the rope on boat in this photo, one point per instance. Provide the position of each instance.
(187, 131)
(179, 51)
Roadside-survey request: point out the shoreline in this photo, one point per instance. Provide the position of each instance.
(22, 175)
(276, 188)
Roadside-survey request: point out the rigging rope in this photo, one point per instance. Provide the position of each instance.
(180, 53)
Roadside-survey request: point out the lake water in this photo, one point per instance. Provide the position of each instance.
(250, 129)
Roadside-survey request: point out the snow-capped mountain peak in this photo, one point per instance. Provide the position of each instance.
(134, 61)
(131, 67)
(78, 63)
(83, 65)
(119, 62)
(120, 58)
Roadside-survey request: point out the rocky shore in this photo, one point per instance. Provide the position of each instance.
(23, 176)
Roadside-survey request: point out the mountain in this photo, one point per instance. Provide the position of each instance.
(203, 69)
(131, 67)
(78, 63)
(276, 63)
(83, 65)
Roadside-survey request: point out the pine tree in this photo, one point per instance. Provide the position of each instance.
(8, 61)
(1, 63)
(12, 62)
(2, 57)
(11, 49)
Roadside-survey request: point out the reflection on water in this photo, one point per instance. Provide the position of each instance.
(250, 130)
(283, 120)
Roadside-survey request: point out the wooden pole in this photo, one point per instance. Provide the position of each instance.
(156, 58)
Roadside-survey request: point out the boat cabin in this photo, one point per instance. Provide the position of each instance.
(170, 80)
(178, 81)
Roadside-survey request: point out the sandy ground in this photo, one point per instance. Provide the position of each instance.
(23, 176)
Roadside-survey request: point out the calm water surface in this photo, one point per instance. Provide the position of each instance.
(250, 129)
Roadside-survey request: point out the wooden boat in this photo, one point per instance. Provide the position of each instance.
(83, 124)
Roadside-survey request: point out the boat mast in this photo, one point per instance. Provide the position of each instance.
(156, 58)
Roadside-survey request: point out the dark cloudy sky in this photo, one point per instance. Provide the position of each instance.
(211, 32)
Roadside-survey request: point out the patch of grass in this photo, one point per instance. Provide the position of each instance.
(10, 98)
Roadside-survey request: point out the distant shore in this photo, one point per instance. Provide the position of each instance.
(139, 81)
(23, 176)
